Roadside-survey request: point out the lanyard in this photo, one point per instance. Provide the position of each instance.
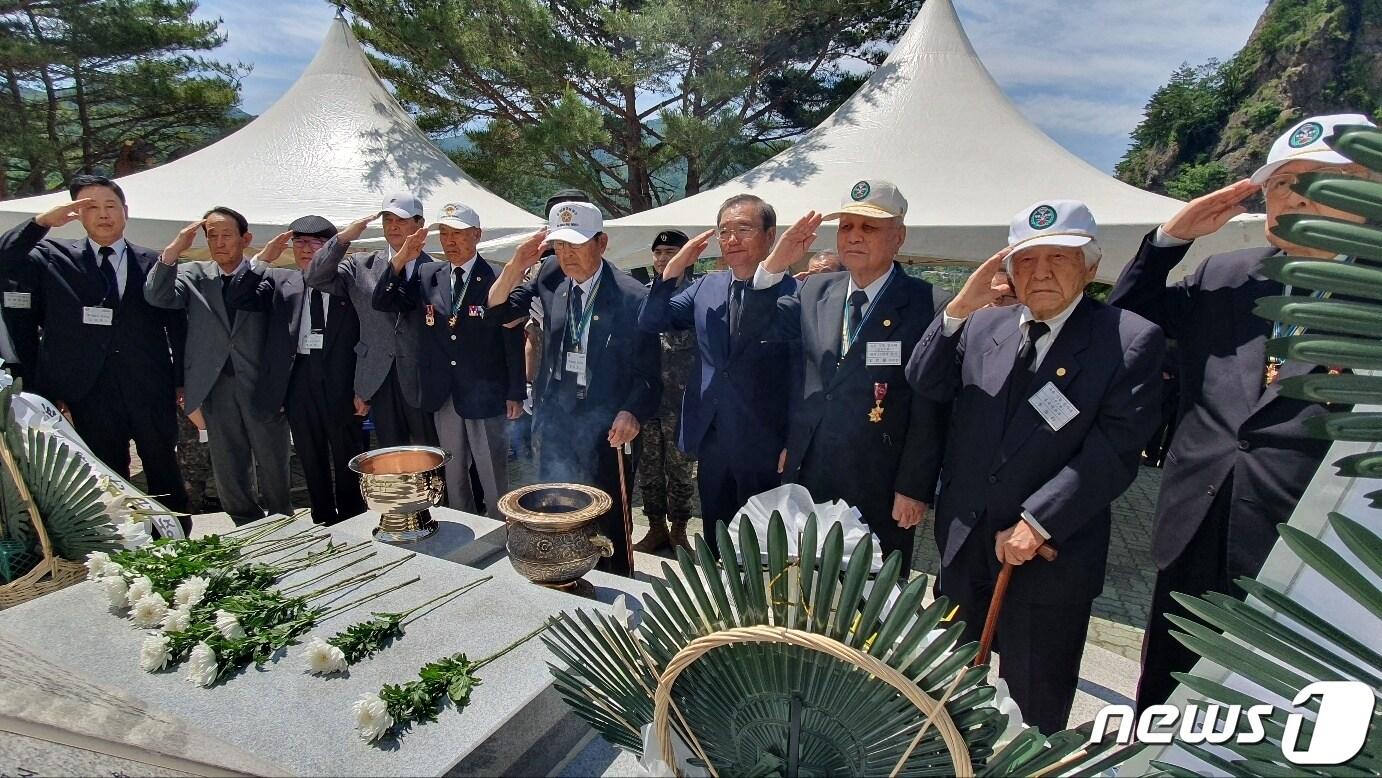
(106, 282)
(579, 328)
(848, 337)
(456, 303)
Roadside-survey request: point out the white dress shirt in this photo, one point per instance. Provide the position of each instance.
(468, 267)
(871, 291)
(305, 322)
(587, 295)
(117, 259)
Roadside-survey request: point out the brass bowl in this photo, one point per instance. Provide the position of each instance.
(553, 537)
(402, 483)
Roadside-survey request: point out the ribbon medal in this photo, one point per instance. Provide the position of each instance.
(880, 391)
(431, 315)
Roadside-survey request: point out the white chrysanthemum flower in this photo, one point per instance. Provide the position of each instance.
(201, 665)
(149, 610)
(133, 534)
(229, 626)
(178, 619)
(140, 588)
(167, 551)
(116, 591)
(372, 719)
(191, 591)
(154, 654)
(323, 658)
(96, 563)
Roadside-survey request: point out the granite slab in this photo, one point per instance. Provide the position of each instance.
(301, 724)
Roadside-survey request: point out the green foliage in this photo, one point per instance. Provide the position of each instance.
(738, 698)
(367, 638)
(1194, 180)
(110, 86)
(637, 103)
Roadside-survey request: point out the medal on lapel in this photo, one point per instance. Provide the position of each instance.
(1273, 367)
(431, 315)
(880, 391)
(452, 321)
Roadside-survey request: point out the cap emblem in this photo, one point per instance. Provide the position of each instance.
(1043, 216)
(860, 191)
(1305, 135)
(566, 215)
(449, 210)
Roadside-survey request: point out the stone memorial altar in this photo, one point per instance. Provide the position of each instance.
(70, 679)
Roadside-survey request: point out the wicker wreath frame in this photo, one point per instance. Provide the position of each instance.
(52, 572)
(932, 709)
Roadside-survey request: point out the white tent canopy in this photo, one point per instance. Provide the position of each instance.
(932, 120)
(334, 145)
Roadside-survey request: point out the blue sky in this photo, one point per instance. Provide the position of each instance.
(1082, 71)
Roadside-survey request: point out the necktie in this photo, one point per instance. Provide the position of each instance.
(316, 311)
(857, 300)
(457, 287)
(574, 317)
(736, 306)
(225, 299)
(1025, 366)
(112, 295)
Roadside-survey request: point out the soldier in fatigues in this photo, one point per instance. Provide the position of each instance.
(667, 474)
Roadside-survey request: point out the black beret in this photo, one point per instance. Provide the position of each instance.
(674, 238)
(313, 227)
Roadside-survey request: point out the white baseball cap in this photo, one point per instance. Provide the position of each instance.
(402, 204)
(574, 222)
(872, 197)
(459, 215)
(1054, 223)
(1304, 142)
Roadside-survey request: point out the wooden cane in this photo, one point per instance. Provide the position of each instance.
(624, 503)
(1000, 589)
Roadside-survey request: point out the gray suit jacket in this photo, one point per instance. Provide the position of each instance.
(385, 341)
(196, 287)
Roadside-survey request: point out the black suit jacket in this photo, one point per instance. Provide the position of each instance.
(474, 364)
(1107, 363)
(623, 362)
(279, 292)
(1231, 423)
(743, 383)
(832, 410)
(23, 323)
(64, 273)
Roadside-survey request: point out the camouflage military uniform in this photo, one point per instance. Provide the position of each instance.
(667, 476)
(194, 460)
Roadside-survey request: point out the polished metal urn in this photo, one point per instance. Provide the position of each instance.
(402, 483)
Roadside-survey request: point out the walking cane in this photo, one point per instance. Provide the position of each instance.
(1045, 551)
(624, 502)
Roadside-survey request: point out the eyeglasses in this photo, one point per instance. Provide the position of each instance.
(741, 233)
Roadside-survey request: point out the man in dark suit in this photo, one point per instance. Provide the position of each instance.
(387, 368)
(472, 372)
(1051, 402)
(599, 378)
(308, 366)
(1241, 456)
(21, 312)
(858, 433)
(224, 360)
(733, 418)
(109, 357)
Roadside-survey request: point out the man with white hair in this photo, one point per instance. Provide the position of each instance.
(1051, 403)
(1241, 456)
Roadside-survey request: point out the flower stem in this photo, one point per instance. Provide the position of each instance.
(314, 559)
(326, 614)
(512, 646)
(327, 574)
(367, 575)
(255, 532)
(448, 596)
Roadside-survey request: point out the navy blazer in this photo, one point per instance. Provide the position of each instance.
(72, 354)
(279, 292)
(744, 384)
(1231, 422)
(475, 365)
(1107, 363)
(835, 394)
(623, 362)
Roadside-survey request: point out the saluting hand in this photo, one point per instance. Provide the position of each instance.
(528, 252)
(978, 291)
(59, 215)
(274, 248)
(624, 429)
(1208, 213)
(687, 256)
(791, 248)
(409, 251)
(355, 229)
(181, 243)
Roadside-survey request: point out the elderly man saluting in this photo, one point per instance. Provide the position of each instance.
(1052, 401)
(857, 432)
